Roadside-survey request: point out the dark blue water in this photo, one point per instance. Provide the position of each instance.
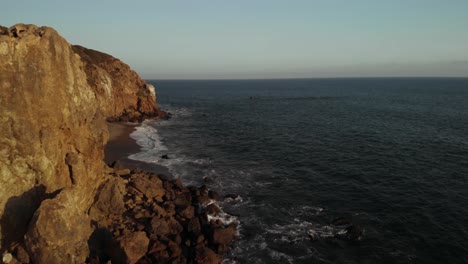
(389, 154)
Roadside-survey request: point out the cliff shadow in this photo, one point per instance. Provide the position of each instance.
(99, 244)
(17, 214)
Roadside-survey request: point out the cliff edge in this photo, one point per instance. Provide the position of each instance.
(54, 101)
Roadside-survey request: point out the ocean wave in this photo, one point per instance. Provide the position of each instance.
(147, 137)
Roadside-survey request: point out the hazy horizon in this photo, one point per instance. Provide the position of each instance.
(264, 39)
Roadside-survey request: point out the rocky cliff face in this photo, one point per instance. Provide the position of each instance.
(54, 101)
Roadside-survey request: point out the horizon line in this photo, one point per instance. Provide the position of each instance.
(304, 78)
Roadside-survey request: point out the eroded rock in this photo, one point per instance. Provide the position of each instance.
(130, 248)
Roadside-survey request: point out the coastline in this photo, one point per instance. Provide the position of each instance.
(121, 145)
(151, 216)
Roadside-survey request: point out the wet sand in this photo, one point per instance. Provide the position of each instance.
(120, 144)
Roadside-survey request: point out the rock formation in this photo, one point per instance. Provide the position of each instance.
(54, 101)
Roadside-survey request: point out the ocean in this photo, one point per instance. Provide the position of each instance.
(311, 157)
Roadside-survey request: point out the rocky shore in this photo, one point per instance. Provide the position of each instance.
(59, 201)
(141, 217)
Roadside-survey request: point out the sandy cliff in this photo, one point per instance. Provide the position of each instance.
(54, 101)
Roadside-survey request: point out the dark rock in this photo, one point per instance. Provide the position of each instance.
(194, 226)
(164, 157)
(354, 232)
(213, 209)
(151, 187)
(206, 256)
(231, 196)
(207, 179)
(22, 255)
(129, 248)
(170, 209)
(223, 236)
(175, 249)
(188, 212)
(156, 247)
(213, 195)
(178, 183)
(341, 221)
(183, 200)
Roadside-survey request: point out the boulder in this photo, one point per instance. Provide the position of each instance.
(109, 198)
(205, 255)
(223, 235)
(183, 200)
(150, 186)
(213, 209)
(59, 231)
(194, 226)
(213, 195)
(188, 212)
(129, 248)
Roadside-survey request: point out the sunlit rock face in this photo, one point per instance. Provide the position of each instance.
(54, 101)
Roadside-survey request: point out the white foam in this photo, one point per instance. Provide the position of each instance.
(224, 217)
(147, 137)
(326, 231)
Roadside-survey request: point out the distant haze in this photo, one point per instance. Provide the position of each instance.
(263, 39)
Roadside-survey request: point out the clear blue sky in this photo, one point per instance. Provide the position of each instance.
(265, 38)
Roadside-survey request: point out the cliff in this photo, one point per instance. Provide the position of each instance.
(54, 101)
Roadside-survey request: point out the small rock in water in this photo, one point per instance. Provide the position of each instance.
(213, 195)
(341, 221)
(164, 157)
(231, 196)
(354, 232)
(207, 179)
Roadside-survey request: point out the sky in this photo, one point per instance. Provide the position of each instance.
(227, 39)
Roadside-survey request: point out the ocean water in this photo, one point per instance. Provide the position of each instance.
(390, 155)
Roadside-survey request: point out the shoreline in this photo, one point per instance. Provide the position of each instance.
(121, 145)
(151, 216)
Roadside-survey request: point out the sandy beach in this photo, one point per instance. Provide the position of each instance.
(121, 145)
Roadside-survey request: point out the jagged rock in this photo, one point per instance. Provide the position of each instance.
(205, 255)
(174, 248)
(183, 200)
(22, 255)
(59, 231)
(170, 209)
(188, 212)
(129, 248)
(213, 195)
(223, 236)
(194, 226)
(213, 209)
(178, 183)
(156, 247)
(122, 172)
(109, 198)
(151, 187)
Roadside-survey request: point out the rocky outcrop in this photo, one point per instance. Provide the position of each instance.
(54, 101)
(163, 222)
(132, 98)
